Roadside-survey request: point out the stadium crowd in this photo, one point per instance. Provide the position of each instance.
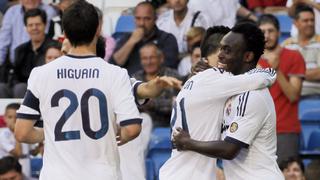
(171, 38)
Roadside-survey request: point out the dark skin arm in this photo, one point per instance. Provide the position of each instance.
(215, 149)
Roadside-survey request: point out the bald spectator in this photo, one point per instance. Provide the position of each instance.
(13, 32)
(159, 108)
(127, 50)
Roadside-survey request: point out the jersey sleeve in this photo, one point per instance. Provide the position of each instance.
(248, 120)
(124, 105)
(30, 108)
(134, 84)
(254, 79)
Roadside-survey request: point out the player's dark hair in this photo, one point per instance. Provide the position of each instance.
(253, 37)
(54, 44)
(287, 162)
(269, 19)
(80, 22)
(34, 13)
(9, 163)
(211, 40)
(15, 106)
(301, 7)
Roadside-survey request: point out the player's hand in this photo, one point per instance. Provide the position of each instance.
(154, 87)
(120, 141)
(180, 139)
(137, 35)
(200, 66)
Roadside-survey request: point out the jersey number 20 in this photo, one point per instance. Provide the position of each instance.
(84, 107)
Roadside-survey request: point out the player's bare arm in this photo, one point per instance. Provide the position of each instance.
(25, 132)
(215, 149)
(128, 133)
(154, 87)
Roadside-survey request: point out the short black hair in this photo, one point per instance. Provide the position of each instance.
(253, 37)
(33, 13)
(15, 106)
(54, 44)
(211, 40)
(9, 163)
(285, 163)
(301, 7)
(269, 19)
(101, 47)
(80, 22)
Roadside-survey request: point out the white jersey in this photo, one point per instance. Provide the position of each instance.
(81, 101)
(250, 121)
(199, 110)
(7, 142)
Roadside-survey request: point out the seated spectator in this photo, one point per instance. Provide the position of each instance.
(8, 144)
(29, 54)
(286, 90)
(194, 35)
(11, 169)
(160, 107)
(315, 4)
(312, 171)
(184, 68)
(222, 12)
(110, 43)
(53, 52)
(308, 43)
(179, 20)
(55, 27)
(292, 169)
(126, 52)
(13, 31)
(266, 6)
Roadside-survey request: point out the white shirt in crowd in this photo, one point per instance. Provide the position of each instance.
(166, 23)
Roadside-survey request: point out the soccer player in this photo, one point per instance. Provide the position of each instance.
(249, 138)
(199, 106)
(82, 101)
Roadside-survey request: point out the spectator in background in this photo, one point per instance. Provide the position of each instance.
(13, 31)
(29, 54)
(308, 43)
(10, 169)
(184, 68)
(159, 108)
(266, 6)
(179, 20)
(315, 4)
(127, 50)
(8, 144)
(292, 169)
(55, 27)
(193, 37)
(286, 90)
(222, 12)
(53, 51)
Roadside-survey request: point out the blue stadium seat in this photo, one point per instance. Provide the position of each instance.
(309, 115)
(314, 141)
(159, 148)
(36, 165)
(285, 23)
(125, 24)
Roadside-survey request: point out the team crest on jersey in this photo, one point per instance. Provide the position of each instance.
(233, 127)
